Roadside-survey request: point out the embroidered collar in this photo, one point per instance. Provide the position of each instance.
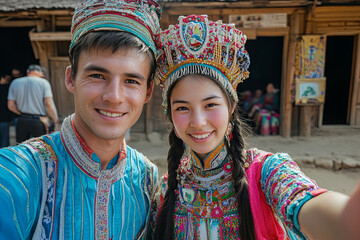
(84, 157)
(213, 160)
(206, 192)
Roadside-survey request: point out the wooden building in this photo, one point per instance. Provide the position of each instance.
(44, 27)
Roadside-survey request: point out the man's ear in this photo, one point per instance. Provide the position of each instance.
(69, 81)
(149, 91)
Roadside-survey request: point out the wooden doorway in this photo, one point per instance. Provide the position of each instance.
(338, 72)
(16, 50)
(266, 57)
(266, 63)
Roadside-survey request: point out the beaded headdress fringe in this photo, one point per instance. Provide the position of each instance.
(201, 69)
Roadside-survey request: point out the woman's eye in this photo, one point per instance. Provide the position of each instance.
(211, 105)
(181, 109)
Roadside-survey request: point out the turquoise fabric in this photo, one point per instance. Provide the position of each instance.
(43, 197)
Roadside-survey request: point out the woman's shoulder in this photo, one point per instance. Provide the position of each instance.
(254, 155)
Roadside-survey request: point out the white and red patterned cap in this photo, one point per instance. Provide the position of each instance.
(139, 17)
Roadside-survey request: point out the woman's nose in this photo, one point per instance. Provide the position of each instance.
(198, 119)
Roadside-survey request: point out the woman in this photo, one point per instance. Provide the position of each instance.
(265, 112)
(219, 190)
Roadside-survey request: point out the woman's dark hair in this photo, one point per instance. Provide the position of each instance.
(114, 41)
(165, 220)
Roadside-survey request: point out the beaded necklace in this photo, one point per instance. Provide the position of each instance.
(206, 198)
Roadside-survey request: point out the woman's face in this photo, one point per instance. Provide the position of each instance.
(200, 113)
(270, 88)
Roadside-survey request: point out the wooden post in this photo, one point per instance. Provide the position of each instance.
(148, 123)
(355, 99)
(320, 116)
(305, 121)
(286, 105)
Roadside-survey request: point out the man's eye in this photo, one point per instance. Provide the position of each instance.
(96, 75)
(132, 81)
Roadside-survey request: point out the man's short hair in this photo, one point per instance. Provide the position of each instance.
(113, 41)
(34, 67)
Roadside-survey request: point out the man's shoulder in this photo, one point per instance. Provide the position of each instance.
(16, 82)
(38, 80)
(29, 78)
(22, 155)
(19, 80)
(45, 143)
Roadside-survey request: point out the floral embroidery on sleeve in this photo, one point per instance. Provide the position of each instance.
(286, 189)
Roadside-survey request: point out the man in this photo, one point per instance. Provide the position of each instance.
(84, 182)
(31, 98)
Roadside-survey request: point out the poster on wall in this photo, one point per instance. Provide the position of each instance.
(265, 20)
(310, 91)
(310, 56)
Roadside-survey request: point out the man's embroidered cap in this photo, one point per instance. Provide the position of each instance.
(139, 17)
(199, 46)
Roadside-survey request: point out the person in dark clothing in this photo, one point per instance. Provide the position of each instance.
(6, 115)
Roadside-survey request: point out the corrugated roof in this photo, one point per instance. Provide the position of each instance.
(21, 5)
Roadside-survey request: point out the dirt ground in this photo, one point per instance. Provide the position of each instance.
(333, 142)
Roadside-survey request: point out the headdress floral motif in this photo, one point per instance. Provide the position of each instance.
(139, 17)
(199, 46)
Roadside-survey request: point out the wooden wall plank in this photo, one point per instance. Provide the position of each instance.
(50, 36)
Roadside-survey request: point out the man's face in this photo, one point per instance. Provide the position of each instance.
(15, 72)
(110, 90)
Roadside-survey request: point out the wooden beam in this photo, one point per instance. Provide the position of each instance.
(18, 23)
(251, 34)
(50, 36)
(64, 12)
(4, 19)
(258, 10)
(271, 32)
(226, 10)
(237, 4)
(336, 9)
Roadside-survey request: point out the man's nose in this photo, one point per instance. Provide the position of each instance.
(114, 92)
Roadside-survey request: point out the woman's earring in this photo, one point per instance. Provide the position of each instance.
(228, 133)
